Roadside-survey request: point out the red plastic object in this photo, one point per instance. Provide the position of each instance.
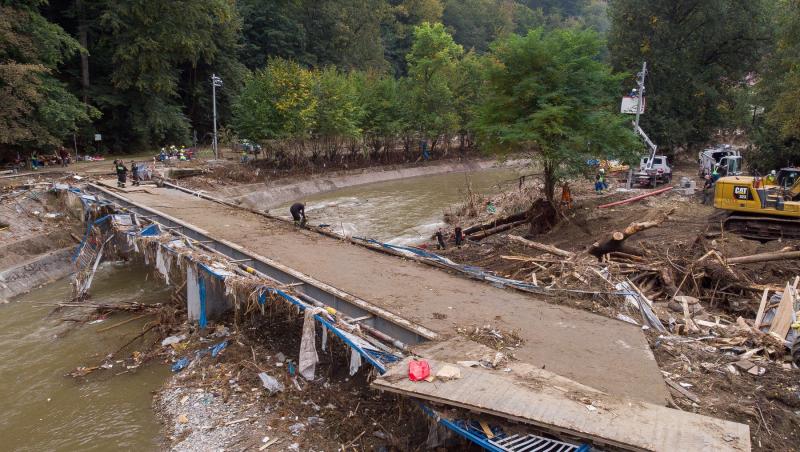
(636, 198)
(418, 370)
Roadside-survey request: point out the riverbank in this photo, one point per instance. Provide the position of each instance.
(37, 233)
(274, 192)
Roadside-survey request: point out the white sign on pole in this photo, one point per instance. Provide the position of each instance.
(98, 137)
(629, 103)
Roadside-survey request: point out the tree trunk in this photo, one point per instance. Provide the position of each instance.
(542, 247)
(494, 223)
(543, 214)
(764, 257)
(550, 181)
(616, 240)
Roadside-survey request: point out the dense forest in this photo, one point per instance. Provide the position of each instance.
(356, 76)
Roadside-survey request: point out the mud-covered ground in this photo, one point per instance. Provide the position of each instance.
(32, 222)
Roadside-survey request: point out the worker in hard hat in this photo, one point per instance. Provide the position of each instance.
(600, 181)
(771, 179)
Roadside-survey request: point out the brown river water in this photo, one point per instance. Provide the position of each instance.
(42, 409)
(403, 211)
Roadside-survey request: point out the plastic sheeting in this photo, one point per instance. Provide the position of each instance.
(475, 272)
(307, 362)
(192, 294)
(355, 361)
(161, 265)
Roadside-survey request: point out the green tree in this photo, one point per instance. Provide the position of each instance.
(338, 113)
(432, 66)
(161, 56)
(697, 50)
(380, 100)
(273, 28)
(346, 33)
(782, 78)
(466, 85)
(398, 28)
(547, 94)
(276, 102)
(595, 15)
(777, 132)
(36, 109)
(559, 7)
(476, 23)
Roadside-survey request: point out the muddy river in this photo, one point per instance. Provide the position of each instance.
(42, 409)
(402, 211)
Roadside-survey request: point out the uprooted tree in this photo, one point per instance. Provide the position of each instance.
(549, 94)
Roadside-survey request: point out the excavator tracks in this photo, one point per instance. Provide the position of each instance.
(762, 227)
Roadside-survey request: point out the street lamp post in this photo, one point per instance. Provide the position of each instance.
(215, 82)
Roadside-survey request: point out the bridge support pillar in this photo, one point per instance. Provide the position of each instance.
(205, 295)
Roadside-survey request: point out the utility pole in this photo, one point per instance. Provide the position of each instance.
(640, 81)
(215, 82)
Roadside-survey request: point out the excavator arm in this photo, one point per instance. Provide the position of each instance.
(794, 191)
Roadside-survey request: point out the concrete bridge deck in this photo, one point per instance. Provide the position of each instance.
(603, 353)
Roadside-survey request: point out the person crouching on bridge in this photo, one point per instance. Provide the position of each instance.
(122, 173)
(298, 211)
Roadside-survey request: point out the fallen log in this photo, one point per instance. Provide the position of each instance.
(495, 223)
(764, 257)
(489, 232)
(541, 247)
(615, 242)
(635, 198)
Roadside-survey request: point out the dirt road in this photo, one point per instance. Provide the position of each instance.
(603, 353)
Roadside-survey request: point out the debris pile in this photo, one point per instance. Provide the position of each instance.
(720, 311)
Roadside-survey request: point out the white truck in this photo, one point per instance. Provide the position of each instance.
(724, 158)
(653, 169)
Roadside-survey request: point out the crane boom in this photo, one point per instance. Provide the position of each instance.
(649, 142)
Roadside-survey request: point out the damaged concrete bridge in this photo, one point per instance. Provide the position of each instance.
(567, 356)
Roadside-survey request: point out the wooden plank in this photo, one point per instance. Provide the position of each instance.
(541, 247)
(627, 424)
(761, 307)
(783, 315)
(687, 317)
(683, 391)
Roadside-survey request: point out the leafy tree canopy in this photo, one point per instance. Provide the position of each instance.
(696, 50)
(276, 102)
(432, 64)
(548, 94)
(36, 108)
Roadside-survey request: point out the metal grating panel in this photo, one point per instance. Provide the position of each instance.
(532, 443)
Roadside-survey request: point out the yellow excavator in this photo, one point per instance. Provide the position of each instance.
(758, 210)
